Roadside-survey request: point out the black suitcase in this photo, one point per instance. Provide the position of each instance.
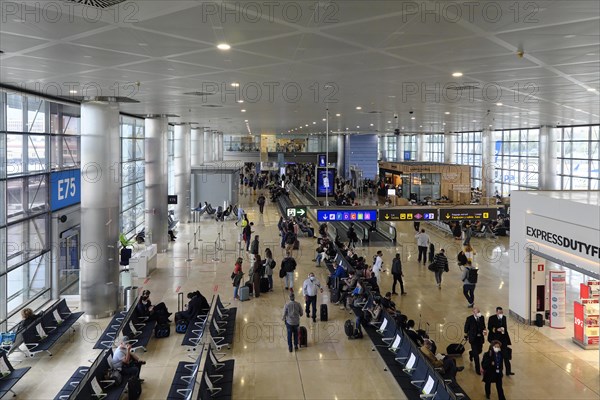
(456, 348)
(134, 388)
(264, 285)
(302, 337)
(335, 296)
(323, 312)
(250, 287)
(349, 328)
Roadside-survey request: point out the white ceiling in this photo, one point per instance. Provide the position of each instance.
(381, 55)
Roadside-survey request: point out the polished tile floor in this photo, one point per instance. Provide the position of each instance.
(546, 363)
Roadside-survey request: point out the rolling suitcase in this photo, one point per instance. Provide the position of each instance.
(323, 310)
(264, 285)
(456, 348)
(349, 328)
(335, 295)
(250, 287)
(244, 293)
(302, 337)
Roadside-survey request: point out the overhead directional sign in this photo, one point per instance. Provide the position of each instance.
(299, 211)
(346, 215)
(408, 214)
(467, 213)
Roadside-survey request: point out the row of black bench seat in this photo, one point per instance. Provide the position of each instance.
(417, 377)
(222, 325)
(217, 378)
(92, 383)
(185, 378)
(131, 324)
(9, 376)
(196, 328)
(44, 332)
(413, 372)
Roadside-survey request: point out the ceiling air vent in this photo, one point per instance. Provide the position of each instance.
(98, 3)
(212, 105)
(199, 93)
(374, 112)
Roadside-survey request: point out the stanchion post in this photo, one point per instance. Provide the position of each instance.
(195, 242)
(188, 259)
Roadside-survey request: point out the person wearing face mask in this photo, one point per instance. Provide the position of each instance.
(499, 331)
(309, 289)
(492, 365)
(475, 332)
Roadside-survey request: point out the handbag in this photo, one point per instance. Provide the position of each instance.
(432, 267)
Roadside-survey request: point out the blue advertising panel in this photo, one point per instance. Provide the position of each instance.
(346, 215)
(407, 156)
(65, 189)
(322, 158)
(325, 182)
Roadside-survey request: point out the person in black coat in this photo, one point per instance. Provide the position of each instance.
(498, 330)
(195, 306)
(412, 334)
(475, 332)
(492, 365)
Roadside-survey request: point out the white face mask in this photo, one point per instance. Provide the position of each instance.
(312, 278)
(496, 349)
(500, 316)
(478, 315)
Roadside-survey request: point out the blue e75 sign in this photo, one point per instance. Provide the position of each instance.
(65, 189)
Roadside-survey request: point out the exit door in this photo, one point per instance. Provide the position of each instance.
(68, 264)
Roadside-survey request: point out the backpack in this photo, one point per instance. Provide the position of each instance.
(291, 238)
(134, 388)
(162, 331)
(472, 275)
(461, 258)
(181, 326)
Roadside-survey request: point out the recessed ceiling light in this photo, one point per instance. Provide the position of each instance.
(223, 46)
(389, 122)
(370, 124)
(591, 90)
(412, 117)
(72, 91)
(142, 44)
(235, 84)
(170, 69)
(516, 116)
(392, 97)
(402, 128)
(590, 54)
(314, 123)
(444, 124)
(447, 113)
(474, 120)
(358, 107)
(87, 56)
(490, 126)
(324, 119)
(457, 74)
(526, 123)
(499, 104)
(240, 101)
(247, 121)
(338, 115)
(357, 126)
(578, 109)
(569, 36)
(420, 126)
(242, 110)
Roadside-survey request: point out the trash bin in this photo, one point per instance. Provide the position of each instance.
(130, 294)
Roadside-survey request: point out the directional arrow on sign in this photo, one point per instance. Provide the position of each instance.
(387, 216)
(448, 215)
(300, 212)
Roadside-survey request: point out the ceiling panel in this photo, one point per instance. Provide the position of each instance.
(14, 43)
(570, 55)
(147, 43)
(85, 55)
(555, 37)
(168, 68)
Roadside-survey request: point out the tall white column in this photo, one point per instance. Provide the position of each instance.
(548, 161)
(449, 148)
(100, 198)
(197, 151)
(488, 169)
(341, 152)
(420, 156)
(220, 148)
(208, 156)
(182, 172)
(399, 148)
(155, 148)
